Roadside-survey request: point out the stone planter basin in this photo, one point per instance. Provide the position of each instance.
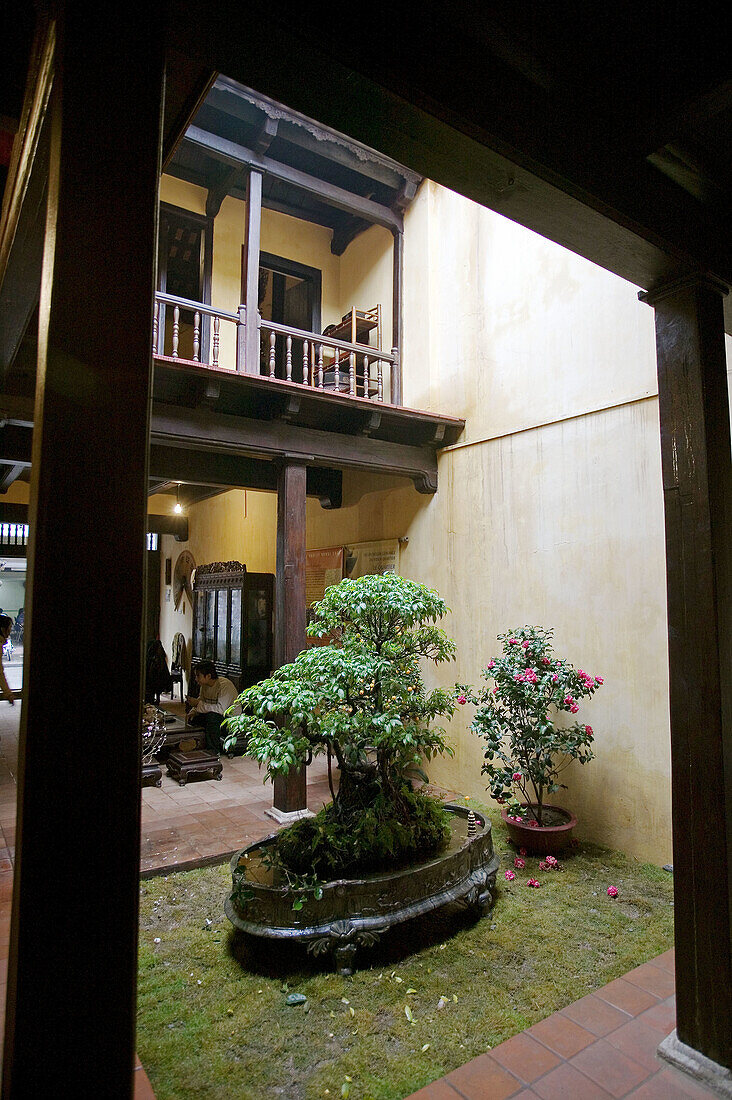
(354, 912)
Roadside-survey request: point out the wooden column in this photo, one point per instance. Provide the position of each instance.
(251, 271)
(697, 487)
(290, 796)
(73, 944)
(397, 329)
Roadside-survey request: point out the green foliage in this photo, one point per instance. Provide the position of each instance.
(361, 699)
(525, 748)
(332, 845)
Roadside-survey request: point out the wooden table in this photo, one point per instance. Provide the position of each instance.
(195, 762)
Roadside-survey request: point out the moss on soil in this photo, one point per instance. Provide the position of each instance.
(213, 1021)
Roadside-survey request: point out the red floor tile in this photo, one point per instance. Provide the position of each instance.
(638, 1041)
(662, 1017)
(671, 1084)
(562, 1035)
(484, 1079)
(667, 961)
(567, 1083)
(627, 997)
(609, 1068)
(596, 1015)
(438, 1090)
(526, 1058)
(653, 979)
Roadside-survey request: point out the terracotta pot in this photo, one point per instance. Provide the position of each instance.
(544, 840)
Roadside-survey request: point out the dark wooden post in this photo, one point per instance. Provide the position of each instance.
(697, 487)
(251, 271)
(290, 795)
(397, 329)
(73, 945)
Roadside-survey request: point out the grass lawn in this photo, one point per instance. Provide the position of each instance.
(213, 1021)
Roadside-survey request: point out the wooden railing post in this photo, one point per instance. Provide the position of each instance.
(251, 270)
(241, 336)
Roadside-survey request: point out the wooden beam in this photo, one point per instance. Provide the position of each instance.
(218, 191)
(229, 471)
(203, 430)
(250, 275)
(92, 412)
(9, 474)
(346, 233)
(290, 792)
(697, 489)
(229, 152)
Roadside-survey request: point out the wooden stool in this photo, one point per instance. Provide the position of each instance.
(151, 775)
(196, 762)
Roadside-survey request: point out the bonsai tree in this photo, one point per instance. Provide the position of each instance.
(526, 748)
(361, 699)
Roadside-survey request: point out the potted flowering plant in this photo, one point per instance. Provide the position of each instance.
(520, 716)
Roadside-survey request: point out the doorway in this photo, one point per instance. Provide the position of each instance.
(289, 294)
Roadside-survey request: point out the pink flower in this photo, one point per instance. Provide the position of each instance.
(461, 699)
(589, 682)
(495, 690)
(525, 645)
(581, 673)
(599, 680)
(533, 882)
(546, 660)
(522, 852)
(530, 675)
(568, 700)
(491, 663)
(510, 876)
(514, 817)
(513, 641)
(612, 891)
(519, 863)
(573, 709)
(543, 865)
(589, 731)
(517, 777)
(551, 861)
(555, 678)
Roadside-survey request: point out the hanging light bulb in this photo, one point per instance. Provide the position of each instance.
(178, 506)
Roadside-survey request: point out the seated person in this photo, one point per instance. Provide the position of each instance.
(216, 696)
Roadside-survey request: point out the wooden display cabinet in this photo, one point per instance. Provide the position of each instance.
(233, 621)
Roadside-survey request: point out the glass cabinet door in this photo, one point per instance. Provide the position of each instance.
(210, 624)
(235, 632)
(222, 624)
(258, 624)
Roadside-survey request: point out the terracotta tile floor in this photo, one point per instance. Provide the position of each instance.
(601, 1047)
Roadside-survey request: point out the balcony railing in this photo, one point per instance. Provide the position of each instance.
(198, 333)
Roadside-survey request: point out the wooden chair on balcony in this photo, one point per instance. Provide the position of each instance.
(354, 327)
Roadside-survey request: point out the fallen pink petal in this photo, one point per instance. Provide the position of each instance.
(533, 882)
(510, 876)
(612, 891)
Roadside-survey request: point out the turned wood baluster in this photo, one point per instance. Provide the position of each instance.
(176, 330)
(215, 357)
(379, 381)
(196, 337)
(352, 374)
(288, 359)
(366, 376)
(320, 367)
(336, 367)
(272, 341)
(156, 322)
(305, 352)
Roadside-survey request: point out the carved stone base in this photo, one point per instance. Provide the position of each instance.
(286, 817)
(715, 1077)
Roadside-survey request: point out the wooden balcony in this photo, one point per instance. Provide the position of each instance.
(197, 333)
